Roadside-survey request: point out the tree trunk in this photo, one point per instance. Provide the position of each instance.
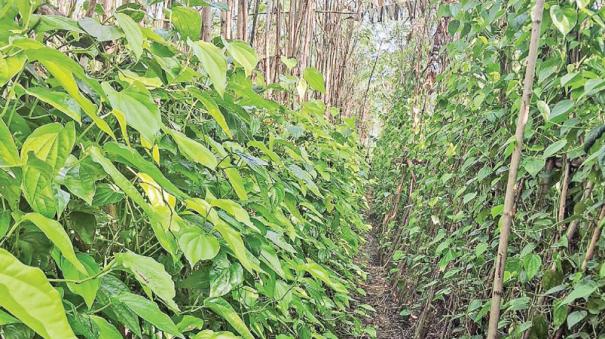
(226, 18)
(254, 22)
(206, 34)
(509, 197)
(266, 42)
(91, 8)
(277, 40)
(242, 19)
(596, 234)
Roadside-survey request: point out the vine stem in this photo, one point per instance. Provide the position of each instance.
(509, 198)
(108, 268)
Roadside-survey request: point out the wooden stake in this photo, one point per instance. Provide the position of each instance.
(509, 198)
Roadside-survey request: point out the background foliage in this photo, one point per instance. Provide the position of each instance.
(439, 179)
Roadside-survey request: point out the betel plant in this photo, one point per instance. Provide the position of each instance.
(150, 189)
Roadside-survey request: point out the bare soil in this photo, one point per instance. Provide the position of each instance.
(387, 321)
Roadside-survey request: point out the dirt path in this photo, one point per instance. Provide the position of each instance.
(387, 321)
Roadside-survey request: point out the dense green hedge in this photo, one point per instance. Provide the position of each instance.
(148, 185)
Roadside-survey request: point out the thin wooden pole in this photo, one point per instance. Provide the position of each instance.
(509, 198)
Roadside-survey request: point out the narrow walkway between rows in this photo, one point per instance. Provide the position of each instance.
(387, 321)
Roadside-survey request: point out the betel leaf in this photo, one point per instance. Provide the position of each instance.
(138, 108)
(553, 148)
(582, 289)
(190, 323)
(305, 177)
(532, 264)
(210, 334)
(224, 276)
(37, 186)
(213, 62)
(194, 150)
(533, 166)
(115, 310)
(560, 112)
(289, 62)
(559, 313)
(63, 69)
(212, 109)
(7, 319)
(59, 100)
(149, 82)
(243, 54)
(98, 31)
(187, 22)
(149, 311)
(10, 66)
(9, 156)
(314, 79)
(236, 181)
(57, 235)
(233, 208)
(80, 176)
(544, 109)
(563, 18)
(27, 294)
(57, 22)
(196, 244)
(221, 307)
(149, 273)
(133, 33)
(106, 330)
(88, 287)
(319, 272)
(234, 241)
(575, 317)
(51, 143)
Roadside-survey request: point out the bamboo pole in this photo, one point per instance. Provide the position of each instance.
(509, 198)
